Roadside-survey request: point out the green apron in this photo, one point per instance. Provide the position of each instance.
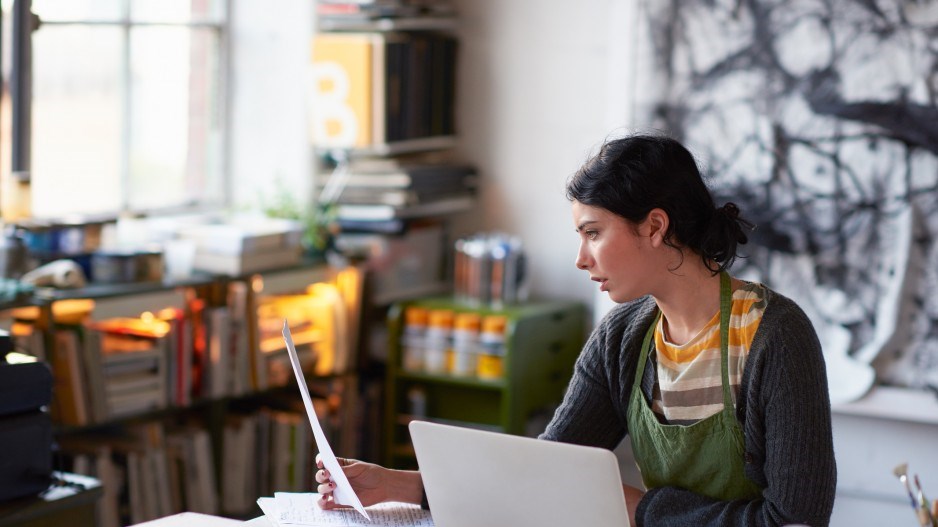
(706, 457)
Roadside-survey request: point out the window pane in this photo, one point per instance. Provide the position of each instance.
(177, 10)
(8, 208)
(77, 10)
(175, 135)
(76, 129)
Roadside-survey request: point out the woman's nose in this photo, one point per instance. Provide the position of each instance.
(582, 260)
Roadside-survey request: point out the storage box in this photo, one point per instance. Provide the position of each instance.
(400, 267)
(25, 429)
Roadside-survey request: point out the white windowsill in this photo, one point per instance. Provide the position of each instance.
(888, 402)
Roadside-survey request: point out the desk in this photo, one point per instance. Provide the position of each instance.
(63, 505)
(192, 519)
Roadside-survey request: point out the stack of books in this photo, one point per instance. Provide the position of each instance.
(334, 12)
(110, 369)
(245, 245)
(379, 195)
(308, 336)
(337, 10)
(132, 374)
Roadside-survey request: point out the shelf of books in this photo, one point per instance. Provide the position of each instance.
(152, 468)
(383, 93)
(164, 392)
(383, 122)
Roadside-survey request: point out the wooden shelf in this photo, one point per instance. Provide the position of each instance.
(391, 297)
(389, 24)
(410, 146)
(93, 291)
(442, 378)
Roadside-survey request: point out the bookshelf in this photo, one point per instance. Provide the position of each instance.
(542, 341)
(384, 89)
(383, 106)
(194, 410)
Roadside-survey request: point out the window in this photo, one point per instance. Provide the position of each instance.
(127, 105)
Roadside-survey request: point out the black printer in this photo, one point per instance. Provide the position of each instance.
(25, 425)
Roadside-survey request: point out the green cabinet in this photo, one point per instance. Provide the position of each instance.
(543, 340)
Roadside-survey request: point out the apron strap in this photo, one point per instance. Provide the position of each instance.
(726, 308)
(643, 356)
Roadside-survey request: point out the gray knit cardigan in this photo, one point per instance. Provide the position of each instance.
(783, 406)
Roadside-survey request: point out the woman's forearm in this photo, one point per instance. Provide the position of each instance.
(405, 486)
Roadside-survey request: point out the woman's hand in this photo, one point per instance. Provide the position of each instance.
(372, 483)
(632, 497)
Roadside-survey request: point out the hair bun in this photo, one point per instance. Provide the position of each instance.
(730, 210)
(727, 220)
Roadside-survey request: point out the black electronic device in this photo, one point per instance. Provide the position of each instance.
(25, 426)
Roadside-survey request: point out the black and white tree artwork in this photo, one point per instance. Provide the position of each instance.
(819, 118)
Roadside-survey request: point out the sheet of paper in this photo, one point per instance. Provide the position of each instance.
(300, 509)
(343, 493)
(190, 519)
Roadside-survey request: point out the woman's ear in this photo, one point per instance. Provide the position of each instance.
(657, 223)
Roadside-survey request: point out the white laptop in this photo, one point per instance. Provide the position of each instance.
(475, 478)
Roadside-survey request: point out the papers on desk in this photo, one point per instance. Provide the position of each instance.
(290, 508)
(190, 519)
(344, 493)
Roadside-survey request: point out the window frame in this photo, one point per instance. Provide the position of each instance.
(24, 22)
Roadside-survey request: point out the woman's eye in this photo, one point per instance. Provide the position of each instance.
(591, 235)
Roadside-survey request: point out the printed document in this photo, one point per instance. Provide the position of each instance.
(343, 493)
(300, 509)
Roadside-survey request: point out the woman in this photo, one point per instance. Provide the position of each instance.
(718, 383)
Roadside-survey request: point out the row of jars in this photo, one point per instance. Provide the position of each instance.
(463, 344)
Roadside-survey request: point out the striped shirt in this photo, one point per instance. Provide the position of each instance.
(689, 385)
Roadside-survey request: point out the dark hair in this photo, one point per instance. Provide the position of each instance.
(631, 176)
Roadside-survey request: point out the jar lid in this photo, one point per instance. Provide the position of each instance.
(416, 316)
(494, 324)
(468, 321)
(441, 318)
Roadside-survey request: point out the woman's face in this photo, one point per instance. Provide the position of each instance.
(613, 251)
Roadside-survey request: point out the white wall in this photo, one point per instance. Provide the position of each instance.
(541, 85)
(532, 105)
(538, 91)
(269, 91)
(867, 449)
